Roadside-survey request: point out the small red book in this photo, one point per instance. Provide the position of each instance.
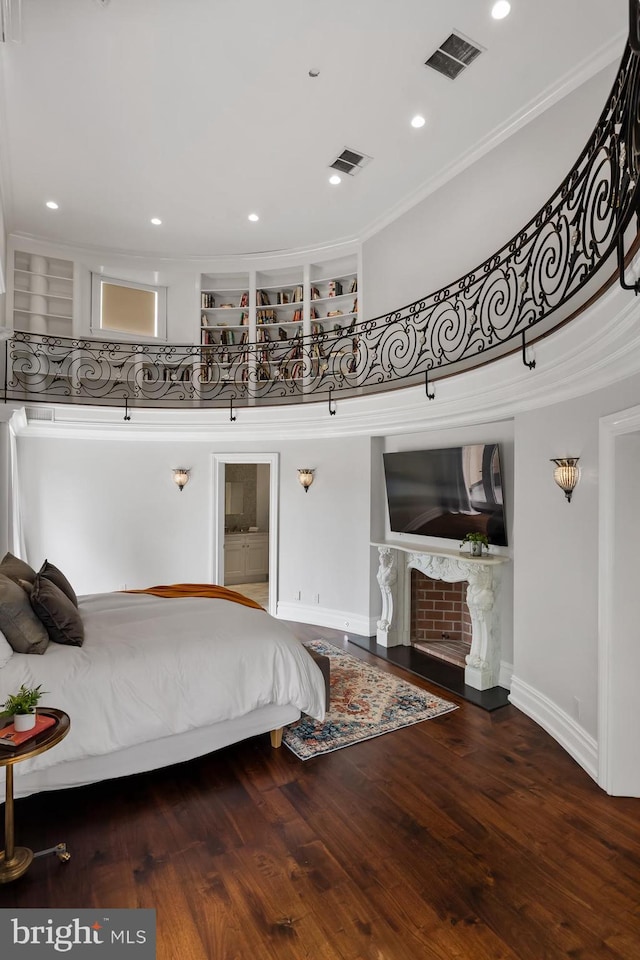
(11, 738)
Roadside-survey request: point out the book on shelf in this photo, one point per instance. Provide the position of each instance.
(11, 739)
(244, 300)
(297, 295)
(354, 308)
(334, 313)
(297, 316)
(267, 316)
(282, 334)
(335, 288)
(282, 296)
(244, 319)
(314, 313)
(317, 328)
(315, 293)
(262, 298)
(207, 301)
(354, 285)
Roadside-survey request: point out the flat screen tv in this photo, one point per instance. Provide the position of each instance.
(446, 493)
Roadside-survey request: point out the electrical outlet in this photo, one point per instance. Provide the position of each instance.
(298, 595)
(577, 708)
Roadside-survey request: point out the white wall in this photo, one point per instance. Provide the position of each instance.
(473, 215)
(556, 543)
(108, 513)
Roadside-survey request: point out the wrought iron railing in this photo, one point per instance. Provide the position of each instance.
(523, 289)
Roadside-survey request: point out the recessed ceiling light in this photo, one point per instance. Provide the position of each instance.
(314, 72)
(156, 221)
(418, 121)
(253, 217)
(335, 179)
(52, 205)
(501, 9)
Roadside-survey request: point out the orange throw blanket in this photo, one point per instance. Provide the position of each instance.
(211, 590)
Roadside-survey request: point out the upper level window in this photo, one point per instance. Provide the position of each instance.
(135, 310)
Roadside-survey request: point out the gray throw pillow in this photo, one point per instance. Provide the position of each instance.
(18, 622)
(53, 573)
(57, 613)
(16, 569)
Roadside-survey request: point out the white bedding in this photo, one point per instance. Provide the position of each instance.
(152, 667)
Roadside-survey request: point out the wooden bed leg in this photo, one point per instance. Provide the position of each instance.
(276, 737)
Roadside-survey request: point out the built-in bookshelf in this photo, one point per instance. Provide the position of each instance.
(279, 322)
(42, 294)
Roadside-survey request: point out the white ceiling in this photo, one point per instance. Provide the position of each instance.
(202, 111)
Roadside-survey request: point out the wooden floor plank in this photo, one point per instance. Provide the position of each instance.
(469, 837)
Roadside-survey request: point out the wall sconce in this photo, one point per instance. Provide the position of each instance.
(181, 477)
(567, 474)
(305, 476)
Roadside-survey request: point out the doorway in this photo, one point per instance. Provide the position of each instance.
(245, 525)
(619, 605)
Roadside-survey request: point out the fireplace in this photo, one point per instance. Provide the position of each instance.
(440, 620)
(479, 578)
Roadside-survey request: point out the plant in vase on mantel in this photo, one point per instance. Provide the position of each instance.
(477, 542)
(22, 707)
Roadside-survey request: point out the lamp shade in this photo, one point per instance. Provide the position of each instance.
(181, 477)
(305, 476)
(567, 474)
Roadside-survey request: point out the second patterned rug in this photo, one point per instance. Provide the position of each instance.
(365, 702)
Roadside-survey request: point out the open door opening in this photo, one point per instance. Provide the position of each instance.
(245, 525)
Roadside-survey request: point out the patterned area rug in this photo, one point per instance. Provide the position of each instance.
(365, 703)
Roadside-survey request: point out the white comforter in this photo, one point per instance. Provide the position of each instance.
(151, 667)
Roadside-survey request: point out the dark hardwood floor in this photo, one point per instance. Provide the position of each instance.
(472, 836)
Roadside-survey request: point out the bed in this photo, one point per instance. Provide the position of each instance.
(158, 681)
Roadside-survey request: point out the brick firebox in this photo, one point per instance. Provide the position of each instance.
(438, 608)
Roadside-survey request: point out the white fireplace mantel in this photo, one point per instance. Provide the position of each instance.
(393, 628)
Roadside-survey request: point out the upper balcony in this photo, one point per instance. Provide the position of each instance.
(556, 265)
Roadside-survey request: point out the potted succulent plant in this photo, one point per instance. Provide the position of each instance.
(476, 543)
(22, 707)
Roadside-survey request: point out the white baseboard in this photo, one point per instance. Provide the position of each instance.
(576, 741)
(505, 675)
(325, 617)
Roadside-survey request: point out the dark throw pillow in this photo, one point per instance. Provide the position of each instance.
(16, 569)
(20, 625)
(56, 576)
(57, 612)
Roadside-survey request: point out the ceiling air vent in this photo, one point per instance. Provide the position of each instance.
(453, 56)
(350, 161)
